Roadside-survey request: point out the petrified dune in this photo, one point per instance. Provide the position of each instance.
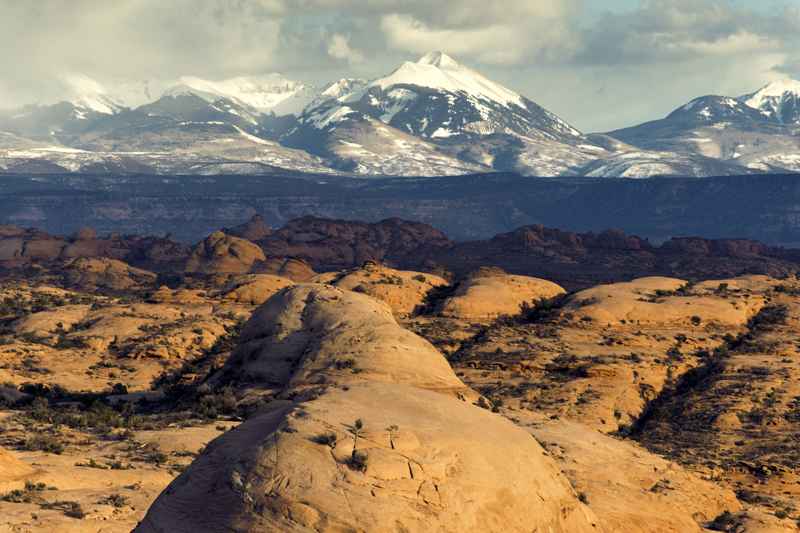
(629, 488)
(490, 292)
(102, 272)
(653, 300)
(254, 289)
(381, 443)
(221, 253)
(292, 268)
(403, 290)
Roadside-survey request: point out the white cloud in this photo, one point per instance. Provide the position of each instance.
(735, 43)
(339, 48)
(508, 32)
(134, 39)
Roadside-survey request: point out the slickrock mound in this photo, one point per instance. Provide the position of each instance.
(83, 493)
(89, 342)
(165, 295)
(658, 301)
(403, 290)
(339, 244)
(317, 334)
(294, 269)
(254, 229)
(255, 289)
(221, 253)
(490, 292)
(384, 445)
(751, 284)
(48, 324)
(629, 488)
(105, 273)
(607, 353)
(737, 416)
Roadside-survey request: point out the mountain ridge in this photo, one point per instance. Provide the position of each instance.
(430, 117)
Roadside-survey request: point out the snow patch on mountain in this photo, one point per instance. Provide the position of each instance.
(269, 93)
(341, 88)
(88, 95)
(439, 71)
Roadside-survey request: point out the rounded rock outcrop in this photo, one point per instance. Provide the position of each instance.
(403, 290)
(221, 253)
(490, 292)
(384, 443)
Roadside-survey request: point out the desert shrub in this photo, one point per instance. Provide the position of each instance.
(342, 364)
(66, 343)
(326, 439)
(674, 354)
(727, 521)
(69, 508)
(768, 317)
(542, 310)
(434, 299)
(98, 417)
(151, 453)
(26, 495)
(358, 461)
(115, 500)
(45, 443)
(215, 404)
(787, 289)
(390, 280)
(30, 364)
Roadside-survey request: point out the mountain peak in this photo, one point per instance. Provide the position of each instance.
(778, 100)
(439, 59)
(438, 71)
(780, 87)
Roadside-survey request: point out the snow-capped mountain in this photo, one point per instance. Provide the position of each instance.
(431, 117)
(438, 98)
(755, 131)
(440, 101)
(778, 101)
(713, 109)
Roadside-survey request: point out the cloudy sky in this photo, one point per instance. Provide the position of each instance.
(600, 64)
